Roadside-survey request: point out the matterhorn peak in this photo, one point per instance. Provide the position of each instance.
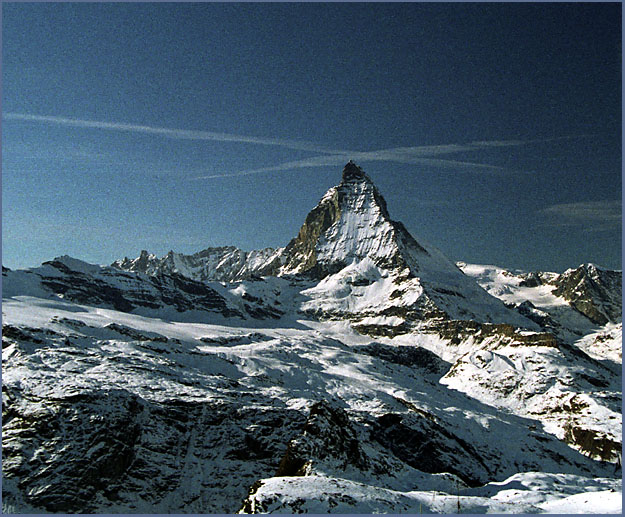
(352, 173)
(350, 224)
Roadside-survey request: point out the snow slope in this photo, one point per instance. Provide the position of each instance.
(214, 407)
(522, 493)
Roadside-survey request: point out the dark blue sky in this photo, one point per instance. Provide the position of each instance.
(111, 113)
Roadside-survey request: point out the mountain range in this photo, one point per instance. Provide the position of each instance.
(357, 369)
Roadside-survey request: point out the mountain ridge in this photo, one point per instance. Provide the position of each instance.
(350, 229)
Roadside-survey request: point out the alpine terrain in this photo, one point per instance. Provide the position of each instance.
(355, 370)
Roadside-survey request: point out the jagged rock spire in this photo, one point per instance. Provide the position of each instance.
(352, 172)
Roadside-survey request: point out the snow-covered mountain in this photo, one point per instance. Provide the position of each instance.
(355, 370)
(572, 304)
(364, 266)
(225, 264)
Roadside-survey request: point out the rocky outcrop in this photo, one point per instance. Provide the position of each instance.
(300, 254)
(568, 305)
(595, 444)
(112, 449)
(100, 416)
(108, 287)
(594, 292)
(104, 429)
(411, 356)
(328, 436)
(424, 444)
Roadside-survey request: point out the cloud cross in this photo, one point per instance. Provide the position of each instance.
(418, 155)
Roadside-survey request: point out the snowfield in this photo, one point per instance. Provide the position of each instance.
(94, 350)
(530, 492)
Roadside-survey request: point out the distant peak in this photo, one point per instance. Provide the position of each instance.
(352, 172)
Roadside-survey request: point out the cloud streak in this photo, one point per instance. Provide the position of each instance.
(336, 160)
(185, 134)
(416, 155)
(595, 215)
(420, 155)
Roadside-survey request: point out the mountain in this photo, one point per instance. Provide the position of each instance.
(160, 294)
(225, 264)
(350, 224)
(569, 305)
(354, 370)
(593, 291)
(364, 266)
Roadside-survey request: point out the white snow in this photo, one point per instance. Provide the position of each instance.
(605, 343)
(505, 285)
(522, 493)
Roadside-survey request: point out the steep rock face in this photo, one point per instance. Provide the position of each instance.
(350, 223)
(300, 254)
(421, 442)
(594, 292)
(111, 450)
(352, 250)
(105, 437)
(327, 436)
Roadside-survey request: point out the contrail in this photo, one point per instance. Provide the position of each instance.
(171, 133)
(418, 155)
(340, 159)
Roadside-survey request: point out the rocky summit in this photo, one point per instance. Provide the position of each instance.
(354, 370)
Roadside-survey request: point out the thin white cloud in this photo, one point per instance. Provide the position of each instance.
(594, 215)
(315, 161)
(169, 132)
(599, 210)
(414, 155)
(417, 155)
(410, 155)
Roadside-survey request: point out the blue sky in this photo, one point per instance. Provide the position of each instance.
(492, 130)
